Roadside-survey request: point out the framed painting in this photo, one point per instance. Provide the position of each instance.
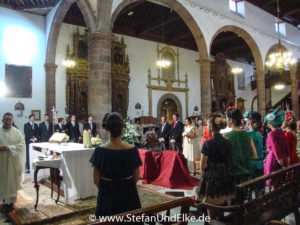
(18, 81)
(37, 114)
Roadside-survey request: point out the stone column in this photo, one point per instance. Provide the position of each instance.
(50, 70)
(294, 91)
(261, 91)
(99, 76)
(205, 84)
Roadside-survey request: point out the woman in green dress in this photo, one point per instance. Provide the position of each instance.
(243, 148)
(254, 124)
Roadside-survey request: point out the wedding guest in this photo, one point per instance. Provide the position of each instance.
(116, 171)
(60, 127)
(72, 129)
(199, 132)
(215, 185)
(31, 130)
(191, 149)
(163, 133)
(90, 125)
(12, 162)
(289, 125)
(45, 129)
(176, 134)
(254, 125)
(243, 148)
(206, 132)
(276, 143)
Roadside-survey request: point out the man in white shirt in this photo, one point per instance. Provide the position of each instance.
(12, 162)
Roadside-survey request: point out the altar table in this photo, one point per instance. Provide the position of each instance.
(76, 170)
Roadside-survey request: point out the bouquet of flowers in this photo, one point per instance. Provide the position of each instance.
(129, 132)
(96, 141)
(67, 139)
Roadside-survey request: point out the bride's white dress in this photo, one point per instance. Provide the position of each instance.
(191, 149)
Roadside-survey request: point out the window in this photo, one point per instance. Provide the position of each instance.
(280, 27)
(241, 81)
(237, 6)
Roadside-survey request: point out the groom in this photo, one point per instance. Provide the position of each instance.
(176, 134)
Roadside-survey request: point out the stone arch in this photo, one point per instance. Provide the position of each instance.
(174, 98)
(182, 12)
(261, 105)
(247, 38)
(60, 13)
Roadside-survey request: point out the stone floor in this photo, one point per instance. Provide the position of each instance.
(290, 219)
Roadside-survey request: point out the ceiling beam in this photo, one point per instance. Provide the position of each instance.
(268, 3)
(131, 7)
(292, 12)
(161, 24)
(181, 37)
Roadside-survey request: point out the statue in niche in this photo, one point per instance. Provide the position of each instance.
(120, 77)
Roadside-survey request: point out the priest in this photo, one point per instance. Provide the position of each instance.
(12, 162)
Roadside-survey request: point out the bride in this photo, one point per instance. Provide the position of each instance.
(191, 149)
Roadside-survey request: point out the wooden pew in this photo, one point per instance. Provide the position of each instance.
(184, 203)
(257, 203)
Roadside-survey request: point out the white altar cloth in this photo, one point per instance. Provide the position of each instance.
(76, 170)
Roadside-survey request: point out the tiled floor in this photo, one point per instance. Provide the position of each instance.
(290, 219)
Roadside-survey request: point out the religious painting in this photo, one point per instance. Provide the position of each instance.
(168, 108)
(37, 114)
(18, 81)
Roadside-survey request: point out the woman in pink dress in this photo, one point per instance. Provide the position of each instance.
(276, 143)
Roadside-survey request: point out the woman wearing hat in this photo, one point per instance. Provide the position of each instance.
(276, 143)
(254, 124)
(289, 125)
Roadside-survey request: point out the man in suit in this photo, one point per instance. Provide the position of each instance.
(72, 128)
(163, 133)
(90, 125)
(176, 133)
(60, 127)
(45, 129)
(31, 130)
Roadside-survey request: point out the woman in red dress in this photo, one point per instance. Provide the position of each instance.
(290, 126)
(207, 133)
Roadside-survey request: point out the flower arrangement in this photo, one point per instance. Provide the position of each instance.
(129, 132)
(66, 139)
(96, 141)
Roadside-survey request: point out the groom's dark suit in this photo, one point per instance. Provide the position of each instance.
(164, 132)
(176, 134)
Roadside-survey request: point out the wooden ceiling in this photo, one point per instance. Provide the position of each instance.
(149, 21)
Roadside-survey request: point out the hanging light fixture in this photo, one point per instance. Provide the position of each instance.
(163, 63)
(237, 70)
(280, 60)
(68, 62)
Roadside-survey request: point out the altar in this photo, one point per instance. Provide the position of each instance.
(76, 170)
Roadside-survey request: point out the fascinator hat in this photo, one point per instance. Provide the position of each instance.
(275, 118)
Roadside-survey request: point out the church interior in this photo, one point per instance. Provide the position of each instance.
(146, 60)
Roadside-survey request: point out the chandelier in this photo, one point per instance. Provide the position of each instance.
(163, 63)
(280, 60)
(68, 63)
(237, 70)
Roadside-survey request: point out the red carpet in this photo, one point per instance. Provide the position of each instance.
(168, 169)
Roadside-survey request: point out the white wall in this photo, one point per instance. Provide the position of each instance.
(247, 94)
(142, 56)
(22, 42)
(65, 37)
(277, 95)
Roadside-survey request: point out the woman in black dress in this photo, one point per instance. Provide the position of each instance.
(215, 185)
(116, 171)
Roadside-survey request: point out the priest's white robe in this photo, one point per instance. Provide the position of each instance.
(12, 163)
